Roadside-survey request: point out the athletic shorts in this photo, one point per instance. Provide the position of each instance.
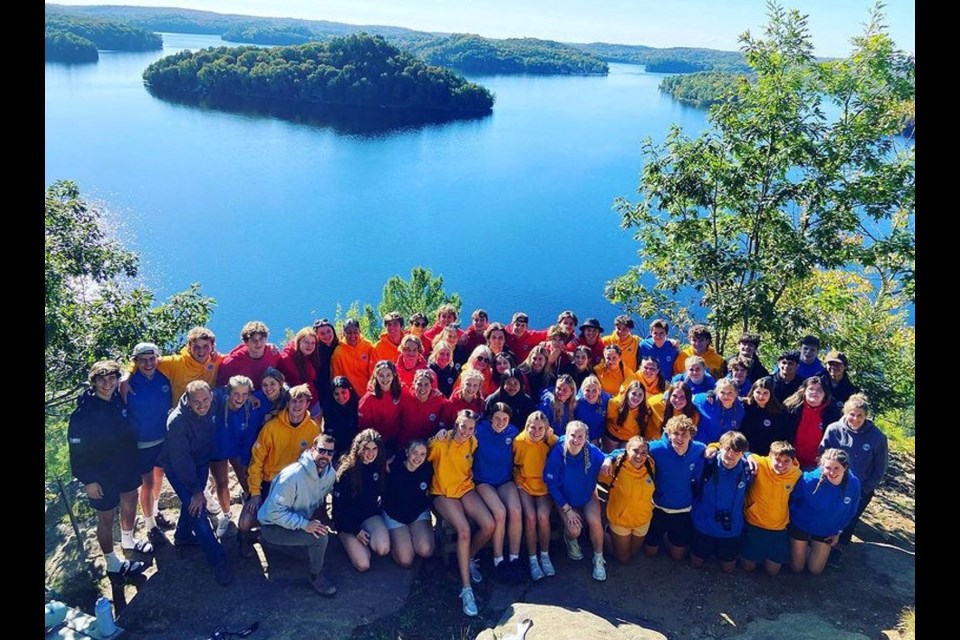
(148, 458)
(704, 546)
(761, 544)
(111, 494)
(677, 526)
(396, 524)
(639, 532)
(803, 536)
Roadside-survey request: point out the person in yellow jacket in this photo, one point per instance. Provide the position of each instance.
(629, 344)
(530, 450)
(456, 498)
(354, 357)
(700, 339)
(678, 398)
(280, 443)
(199, 360)
(613, 372)
(627, 416)
(630, 498)
(766, 509)
(388, 347)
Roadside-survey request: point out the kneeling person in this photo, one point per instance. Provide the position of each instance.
(293, 513)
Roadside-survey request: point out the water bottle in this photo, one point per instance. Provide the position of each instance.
(106, 627)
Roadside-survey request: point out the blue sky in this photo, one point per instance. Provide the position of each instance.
(658, 23)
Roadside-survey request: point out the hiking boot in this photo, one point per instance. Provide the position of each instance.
(547, 566)
(536, 573)
(323, 585)
(222, 574)
(599, 571)
(475, 576)
(469, 602)
(573, 549)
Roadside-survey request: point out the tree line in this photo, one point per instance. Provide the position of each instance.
(703, 89)
(77, 39)
(359, 70)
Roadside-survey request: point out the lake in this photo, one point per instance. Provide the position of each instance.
(281, 221)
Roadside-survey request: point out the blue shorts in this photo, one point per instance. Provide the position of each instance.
(677, 526)
(148, 458)
(704, 546)
(761, 544)
(396, 524)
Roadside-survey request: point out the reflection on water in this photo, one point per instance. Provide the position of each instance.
(345, 119)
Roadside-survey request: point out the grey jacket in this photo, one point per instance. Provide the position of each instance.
(295, 493)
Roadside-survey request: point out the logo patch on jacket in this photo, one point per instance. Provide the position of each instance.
(423, 486)
(165, 388)
(767, 422)
(432, 417)
(866, 446)
(507, 440)
(376, 475)
(846, 500)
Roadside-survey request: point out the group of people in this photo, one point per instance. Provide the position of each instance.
(497, 430)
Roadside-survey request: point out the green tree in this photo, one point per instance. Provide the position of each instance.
(423, 293)
(93, 310)
(803, 172)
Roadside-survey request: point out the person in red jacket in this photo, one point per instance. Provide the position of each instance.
(420, 408)
(418, 325)
(388, 347)
(298, 363)
(520, 338)
(252, 357)
(410, 359)
(380, 408)
(447, 314)
(590, 332)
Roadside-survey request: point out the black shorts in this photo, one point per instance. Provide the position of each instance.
(677, 526)
(704, 546)
(147, 458)
(111, 493)
(803, 536)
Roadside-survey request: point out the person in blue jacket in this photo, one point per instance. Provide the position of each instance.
(720, 411)
(717, 513)
(148, 404)
(493, 476)
(821, 505)
(591, 407)
(103, 456)
(570, 474)
(559, 403)
(867, 447)
(233, 416)
(809, 364)
(658, 347)
(185, 458)
(679, 461)
(696, 375)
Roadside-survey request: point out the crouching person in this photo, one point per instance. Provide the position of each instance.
(185, 459)
(293, 513)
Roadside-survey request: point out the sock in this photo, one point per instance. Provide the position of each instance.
(126, 539)
(533, 558)
(597, 554)
(497, 560)
(150, 522)
(470, 589)
(156, 508)
(113, 562)
(514, 556)
(545, 554)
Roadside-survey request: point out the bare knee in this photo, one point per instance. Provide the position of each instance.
(425, 549)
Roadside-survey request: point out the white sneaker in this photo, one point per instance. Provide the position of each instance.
(475, 576)
(548, 569)
(469, 602)
(535, 571)
(222, 525)
(599, 572)
(573, 548)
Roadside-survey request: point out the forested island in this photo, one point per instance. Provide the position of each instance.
(672, 60)
(703, 89)
(474, 54)
(77, 38)
(358, 71)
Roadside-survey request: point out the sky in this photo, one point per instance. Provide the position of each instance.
(715, 24)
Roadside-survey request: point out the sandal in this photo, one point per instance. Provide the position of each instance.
(128, 569)
(141, 546)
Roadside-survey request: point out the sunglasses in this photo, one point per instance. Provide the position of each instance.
(418, 323)
(325, 451)
(482, 359)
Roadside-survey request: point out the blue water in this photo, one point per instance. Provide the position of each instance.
(282, 221)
